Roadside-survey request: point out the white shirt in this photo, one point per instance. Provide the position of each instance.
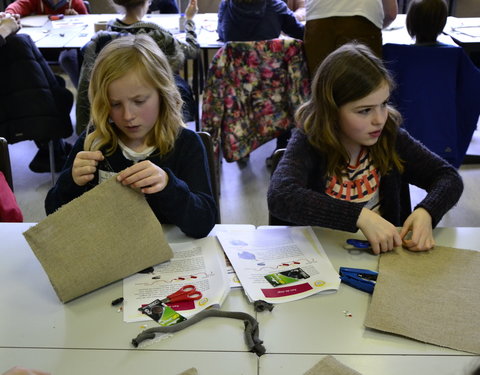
(370, 9)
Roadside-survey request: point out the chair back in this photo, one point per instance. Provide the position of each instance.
(214, 169)
(251, 94)
(437, 94)
(5, 165)
(276, 157)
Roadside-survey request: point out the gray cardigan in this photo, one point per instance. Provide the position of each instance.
(296, 192)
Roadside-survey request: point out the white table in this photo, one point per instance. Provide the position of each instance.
(76, 31)
(88, 335)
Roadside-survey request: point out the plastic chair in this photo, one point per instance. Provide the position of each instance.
(437, 94)
(214, 169)
(5, 165)
(276, 157)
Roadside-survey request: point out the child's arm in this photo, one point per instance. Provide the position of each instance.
(22, 7)
(65, 188)
(382, 235)
(428, 171)
(419, 223)
(78, 7)
(191, 47)
(291, 25)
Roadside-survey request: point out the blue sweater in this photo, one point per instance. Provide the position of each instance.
(258, 20)
(187, 200)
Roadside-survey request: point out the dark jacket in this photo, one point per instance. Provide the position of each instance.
(34, 105)
(257, 20)
(187, 200)
(296, 193)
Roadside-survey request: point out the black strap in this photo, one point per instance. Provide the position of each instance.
(254, 344)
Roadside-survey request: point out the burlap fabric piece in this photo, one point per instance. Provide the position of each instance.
(330, 366)
(108, 233)
(431, 296)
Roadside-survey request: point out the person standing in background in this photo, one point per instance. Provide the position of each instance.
(332, 23)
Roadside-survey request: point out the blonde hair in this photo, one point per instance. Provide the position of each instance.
(140, 54)
(348, 74)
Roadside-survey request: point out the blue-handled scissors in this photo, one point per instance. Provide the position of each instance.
(184, 294)
(353, 243)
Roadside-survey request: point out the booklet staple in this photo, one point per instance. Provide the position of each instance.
(105, 235)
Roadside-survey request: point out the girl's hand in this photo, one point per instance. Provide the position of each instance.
(419, 223)
(146, 176)
(191, 10)
(70, 12)
(85, 165)
(382, 235)
(11, 24)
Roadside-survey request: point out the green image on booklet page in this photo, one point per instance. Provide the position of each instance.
(286, 277)
(162, 314)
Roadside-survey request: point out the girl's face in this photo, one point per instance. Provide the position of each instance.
(134, 106)
(361, 121)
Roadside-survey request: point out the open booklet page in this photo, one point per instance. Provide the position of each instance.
(199, 262)
(279, 264)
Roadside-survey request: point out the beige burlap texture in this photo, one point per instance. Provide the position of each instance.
(330, 366)
(108, 233)
(433, 297)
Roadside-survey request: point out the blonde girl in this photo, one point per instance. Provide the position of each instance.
(136, 130)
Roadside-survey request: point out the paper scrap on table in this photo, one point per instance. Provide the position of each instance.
(331, 366)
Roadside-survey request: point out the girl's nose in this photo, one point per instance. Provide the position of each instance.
(379, 116)
(128, 114)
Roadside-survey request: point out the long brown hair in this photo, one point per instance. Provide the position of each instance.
(348, 74)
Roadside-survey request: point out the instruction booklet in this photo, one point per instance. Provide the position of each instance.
(279, 264)
(200, 263)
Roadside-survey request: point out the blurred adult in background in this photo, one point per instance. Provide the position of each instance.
(332, 23)
(298, 8)
(252, 20)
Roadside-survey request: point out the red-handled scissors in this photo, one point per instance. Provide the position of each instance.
(185, 293)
